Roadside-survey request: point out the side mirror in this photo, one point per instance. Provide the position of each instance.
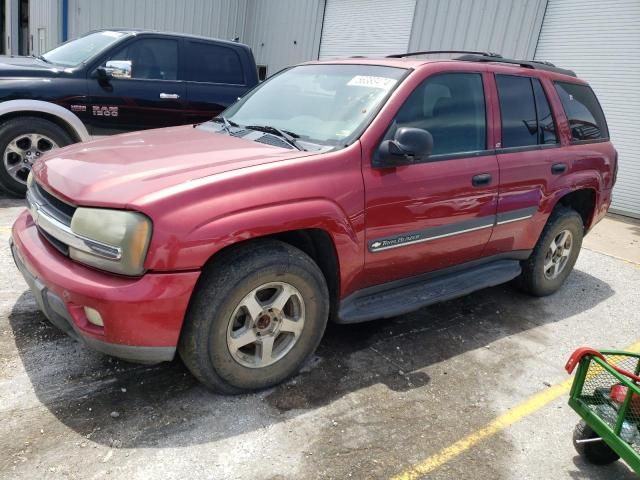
(115, 69)
(409, 145)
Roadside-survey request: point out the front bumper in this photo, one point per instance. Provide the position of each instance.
(142, 316)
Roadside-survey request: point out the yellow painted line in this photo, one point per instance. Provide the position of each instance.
(524, 409)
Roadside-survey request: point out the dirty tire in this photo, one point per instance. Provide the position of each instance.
(597, 453)
(26, 125)
(532, 279)
(221, 288)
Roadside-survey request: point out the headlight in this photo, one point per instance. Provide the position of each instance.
(118, 239)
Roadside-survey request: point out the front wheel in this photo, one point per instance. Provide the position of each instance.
(257, 315)
(555, 254)
(24, 140)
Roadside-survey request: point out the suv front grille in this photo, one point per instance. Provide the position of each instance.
(56, 208)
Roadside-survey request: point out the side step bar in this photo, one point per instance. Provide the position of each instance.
(405, 296)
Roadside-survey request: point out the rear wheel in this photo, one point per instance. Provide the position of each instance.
(596, 452)
(257, 315)
(24, 140)
(555, 254)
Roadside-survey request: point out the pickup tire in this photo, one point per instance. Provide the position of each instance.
(555, 254)
(24, 140)
(258, 313)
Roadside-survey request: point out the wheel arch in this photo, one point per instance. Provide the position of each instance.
(583, 201)
(62, 117)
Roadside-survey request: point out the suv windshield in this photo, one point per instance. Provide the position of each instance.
(322, 104)
(82, 49)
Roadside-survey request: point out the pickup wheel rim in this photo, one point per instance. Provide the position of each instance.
(266, 324)
(558, 254)
(22, 151)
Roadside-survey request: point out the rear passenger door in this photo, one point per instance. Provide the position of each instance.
(528, 173)
(153, 97)
(214, 76)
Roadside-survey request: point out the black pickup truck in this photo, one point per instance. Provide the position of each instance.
(113, 81)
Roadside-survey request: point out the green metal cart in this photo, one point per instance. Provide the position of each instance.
(606, 394)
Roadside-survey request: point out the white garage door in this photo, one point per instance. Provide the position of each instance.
(366, 27)
(600, 40)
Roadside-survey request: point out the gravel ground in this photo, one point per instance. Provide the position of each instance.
(376, 399)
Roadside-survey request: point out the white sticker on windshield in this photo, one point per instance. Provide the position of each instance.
(372, 82)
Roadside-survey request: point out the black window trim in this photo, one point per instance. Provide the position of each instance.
(449, 156)
(604, 139)
(217, 44)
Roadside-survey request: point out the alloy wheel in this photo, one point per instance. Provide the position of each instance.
(558, 254)
(22, 151)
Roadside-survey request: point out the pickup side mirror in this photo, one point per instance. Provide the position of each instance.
(409, 145)
(114, 69)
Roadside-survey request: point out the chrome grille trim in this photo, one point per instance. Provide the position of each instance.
(46, 220)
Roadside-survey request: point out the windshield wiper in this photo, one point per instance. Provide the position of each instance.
(41, 57)
(226, 123)
(289, 137)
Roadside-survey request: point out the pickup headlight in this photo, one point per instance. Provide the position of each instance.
(117, 239)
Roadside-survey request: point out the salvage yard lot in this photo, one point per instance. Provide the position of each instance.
(376, 400)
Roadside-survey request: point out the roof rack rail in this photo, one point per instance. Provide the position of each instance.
(533, 64)
(433, 52)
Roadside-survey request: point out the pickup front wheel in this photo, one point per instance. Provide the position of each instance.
(24, 140)
(257, 315)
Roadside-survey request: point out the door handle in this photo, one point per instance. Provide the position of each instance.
(558, 168)
(169, 96)
(480, 180)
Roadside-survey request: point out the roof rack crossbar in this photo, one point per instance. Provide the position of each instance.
(433, 52)
(533, 64)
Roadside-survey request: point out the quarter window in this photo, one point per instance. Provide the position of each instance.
(451, 107)
(585, 116)
(151, 58)
(207, 62)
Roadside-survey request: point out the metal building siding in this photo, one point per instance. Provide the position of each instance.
(283, 32)
(213, 18)
(510, 28)
(45, 22)
(366, 27)
(602, 45)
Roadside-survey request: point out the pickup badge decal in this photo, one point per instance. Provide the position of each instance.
(78, 108)
(104, 111)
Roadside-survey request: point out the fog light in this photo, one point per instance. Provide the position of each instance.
(93, 316)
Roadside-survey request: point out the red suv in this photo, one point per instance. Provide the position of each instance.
(344, 190)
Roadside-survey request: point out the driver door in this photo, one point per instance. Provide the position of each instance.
(152, 97)
(438, 213)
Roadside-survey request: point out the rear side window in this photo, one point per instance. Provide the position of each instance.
(585, 116)
(451, 107)
(212, 63)
(525, 112)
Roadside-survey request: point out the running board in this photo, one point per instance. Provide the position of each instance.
(404, 296)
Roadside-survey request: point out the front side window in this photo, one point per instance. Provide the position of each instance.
(207, 62)
(525, 113)
(451, 107)
(78, 51)
(583, 111)
(151, 58)
(322, 104)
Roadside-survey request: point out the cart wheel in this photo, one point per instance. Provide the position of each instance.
(597, 453)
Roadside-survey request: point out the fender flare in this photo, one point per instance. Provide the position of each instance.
(71, 119)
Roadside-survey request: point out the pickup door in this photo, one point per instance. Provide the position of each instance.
(435, 214)
(215, 75)
(153, 97)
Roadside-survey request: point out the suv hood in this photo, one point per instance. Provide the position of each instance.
(115, 171)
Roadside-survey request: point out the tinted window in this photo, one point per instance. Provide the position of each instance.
(546, 125)
(517, 111)
(586, 119)
(213, 63)
(451, 107)
(151, 58)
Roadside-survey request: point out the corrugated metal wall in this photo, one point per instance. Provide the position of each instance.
(283, 32)
(212, 18)
(508, 27)
(44, 25)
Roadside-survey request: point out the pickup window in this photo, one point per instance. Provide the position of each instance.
(151, 58)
